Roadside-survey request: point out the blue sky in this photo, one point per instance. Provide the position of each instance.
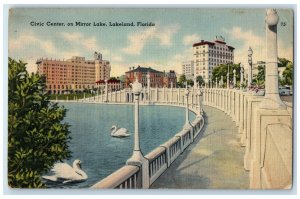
(163, 46)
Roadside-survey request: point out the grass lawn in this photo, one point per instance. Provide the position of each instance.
(69, 96)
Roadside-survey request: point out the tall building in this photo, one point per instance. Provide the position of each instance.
(208, 55)
(74, 74)
(188, 69)
(156, 77)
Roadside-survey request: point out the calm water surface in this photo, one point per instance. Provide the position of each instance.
(102, 154)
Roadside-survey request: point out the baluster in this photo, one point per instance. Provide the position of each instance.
(125, 184)
(130, 182)
(135, 180)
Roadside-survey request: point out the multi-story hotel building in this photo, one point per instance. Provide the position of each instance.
(188, 69)
(74, 74)
(156, 77)
(208, 55)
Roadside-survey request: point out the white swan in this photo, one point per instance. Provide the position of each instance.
(118, 132)
(66, 173)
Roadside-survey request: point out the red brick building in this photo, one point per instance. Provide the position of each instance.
(170, 78)
(112, 84)
(156, 77)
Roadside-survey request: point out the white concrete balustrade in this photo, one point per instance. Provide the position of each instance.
(162, 157)
(244, 108)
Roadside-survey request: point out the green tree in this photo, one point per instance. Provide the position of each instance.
(283, 62)
(259, 79)
(182, 80)
(200, 80)
(222, 70)
(37, 138)
(288, 74)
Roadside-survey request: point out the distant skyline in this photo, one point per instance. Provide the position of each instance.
(163, 46)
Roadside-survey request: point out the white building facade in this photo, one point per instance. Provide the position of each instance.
(207, 55)
(188, 69)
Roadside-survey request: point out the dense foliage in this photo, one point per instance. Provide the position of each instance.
(288, 74)
(37, 138)
(222, 70)
(182, 80)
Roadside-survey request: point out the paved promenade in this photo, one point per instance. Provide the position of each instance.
(214, 160)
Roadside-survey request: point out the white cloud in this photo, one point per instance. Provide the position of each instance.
(190, 39)
(165, 35)
(137, 40)
(27, 39)
(116, 58)
(258, 45)
(81, 41)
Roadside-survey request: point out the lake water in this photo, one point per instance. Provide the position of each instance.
(102, 154)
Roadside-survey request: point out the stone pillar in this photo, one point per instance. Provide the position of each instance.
(137, 158)
(156, 94)
(272, 99)
(200, 110)
(171, 100)
(164, 95)
(144, 99)
(227, 76)
(148, 87)
(250, 53)
(242, 77)
(106, 91)
(222, 81)
(178, 95)
(234, 78)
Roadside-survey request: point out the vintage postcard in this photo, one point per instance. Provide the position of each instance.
(150, 98)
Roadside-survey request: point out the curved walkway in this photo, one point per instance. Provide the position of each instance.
(214, 160)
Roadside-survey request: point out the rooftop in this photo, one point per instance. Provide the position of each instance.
(144, 70)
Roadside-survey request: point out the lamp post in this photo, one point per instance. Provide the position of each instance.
(217, 82)
(187, 119)
(137, 157)
(271, 99)
(250, 53)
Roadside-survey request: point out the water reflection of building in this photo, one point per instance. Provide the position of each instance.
(75, 74)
